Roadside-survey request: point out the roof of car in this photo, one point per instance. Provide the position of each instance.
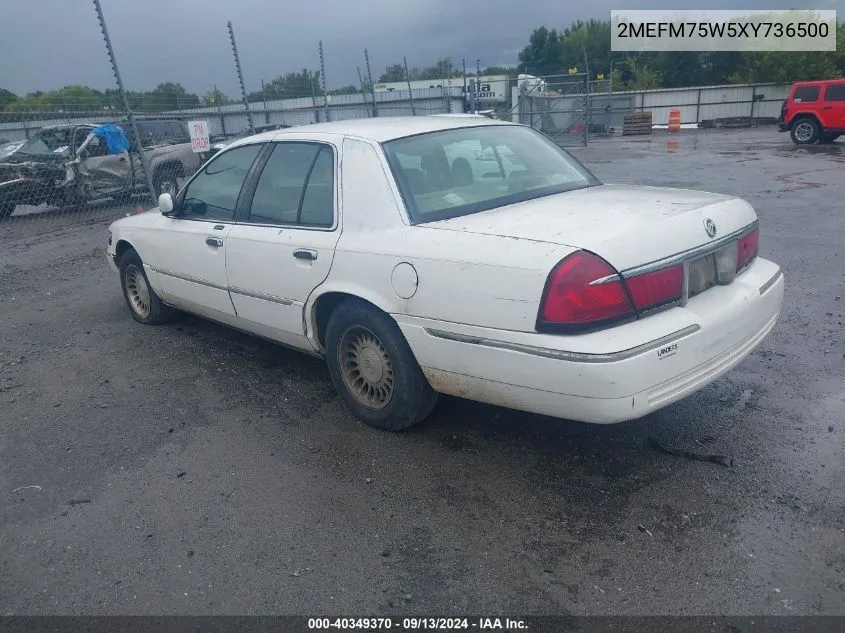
(66, 125)
(819, 82)
(381, 129)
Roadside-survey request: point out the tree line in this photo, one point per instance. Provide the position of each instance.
(548, 52)
(587, 45)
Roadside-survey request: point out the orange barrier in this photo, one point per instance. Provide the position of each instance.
(674, 120)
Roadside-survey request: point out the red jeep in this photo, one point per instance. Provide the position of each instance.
(814, 111)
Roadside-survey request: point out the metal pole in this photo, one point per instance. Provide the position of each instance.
(753, 99)
(264, 99)
(129, 113)
(220, 110)
(447, 85)
(314, 98)
(323, 81)
(610, 98)
(410, 94)
(464, 72)
(364, 92)
(586, 99)
(370, 79)
(241, 77)
(697, 106)
(477, 83)
(440, 65)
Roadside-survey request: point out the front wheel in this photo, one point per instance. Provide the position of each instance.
(805, 131)
(374, 370)
(141, 299)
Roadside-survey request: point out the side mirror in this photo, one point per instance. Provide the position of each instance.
(165, 203)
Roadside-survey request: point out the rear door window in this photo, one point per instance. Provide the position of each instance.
(806, 94)
(835, 93)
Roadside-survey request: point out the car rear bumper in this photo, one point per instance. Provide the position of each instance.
(605, 377)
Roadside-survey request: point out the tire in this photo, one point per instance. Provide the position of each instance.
(164, 180)
(123, 198)
(374, 370)
(805, 131)
(827, 137)
(141, 299)
(6, 210)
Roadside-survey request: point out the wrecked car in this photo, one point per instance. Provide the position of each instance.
(68, 165)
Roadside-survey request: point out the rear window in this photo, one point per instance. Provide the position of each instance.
(455, 172)
(835, 93)
(806, 93)
(156, 132)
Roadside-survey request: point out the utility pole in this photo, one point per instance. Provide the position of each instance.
(264, 100)
(464, 72)
(410, 94)
(370, 79)
(587, 104)
(241, 77)
(364, 92)
(323, 80)
(129, 113)
(220, 110)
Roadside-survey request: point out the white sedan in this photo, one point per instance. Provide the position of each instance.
(464, 256)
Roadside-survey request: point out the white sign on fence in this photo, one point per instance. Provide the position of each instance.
(199, 135)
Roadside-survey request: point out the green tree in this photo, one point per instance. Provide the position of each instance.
(215, 97)
(543, 55)
(290, 86)
(170, 96)
(6, 97)
(498, 70)
(443, 69)
(591, 38)
(392, 73)
(635, 75)
(346, 90)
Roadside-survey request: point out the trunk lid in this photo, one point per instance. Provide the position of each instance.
(626, 225)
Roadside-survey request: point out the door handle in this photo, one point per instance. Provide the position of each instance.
(827, 107)
(216, 242)
(304, 253)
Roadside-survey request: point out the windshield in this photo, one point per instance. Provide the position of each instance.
(47, 142)
(456, 172)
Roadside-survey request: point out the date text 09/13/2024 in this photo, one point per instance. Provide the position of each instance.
(418, 623)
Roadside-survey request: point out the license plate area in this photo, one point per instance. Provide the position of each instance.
(713, 269)
(701, 275)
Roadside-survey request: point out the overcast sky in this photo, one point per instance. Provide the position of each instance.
(46, 44)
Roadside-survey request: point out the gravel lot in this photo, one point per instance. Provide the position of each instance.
(221, 474)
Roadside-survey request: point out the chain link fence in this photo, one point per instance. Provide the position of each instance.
(72, 160)
(574, 107)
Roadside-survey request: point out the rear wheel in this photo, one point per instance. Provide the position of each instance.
(805, 131)
(141, 299)
(374, 369)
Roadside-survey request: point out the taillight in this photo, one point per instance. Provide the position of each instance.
(573, 298)
(747, 248)
(655, 289)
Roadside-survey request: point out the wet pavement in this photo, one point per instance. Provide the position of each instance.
(191, 469)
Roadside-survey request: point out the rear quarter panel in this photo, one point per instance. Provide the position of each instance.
(484, 280)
